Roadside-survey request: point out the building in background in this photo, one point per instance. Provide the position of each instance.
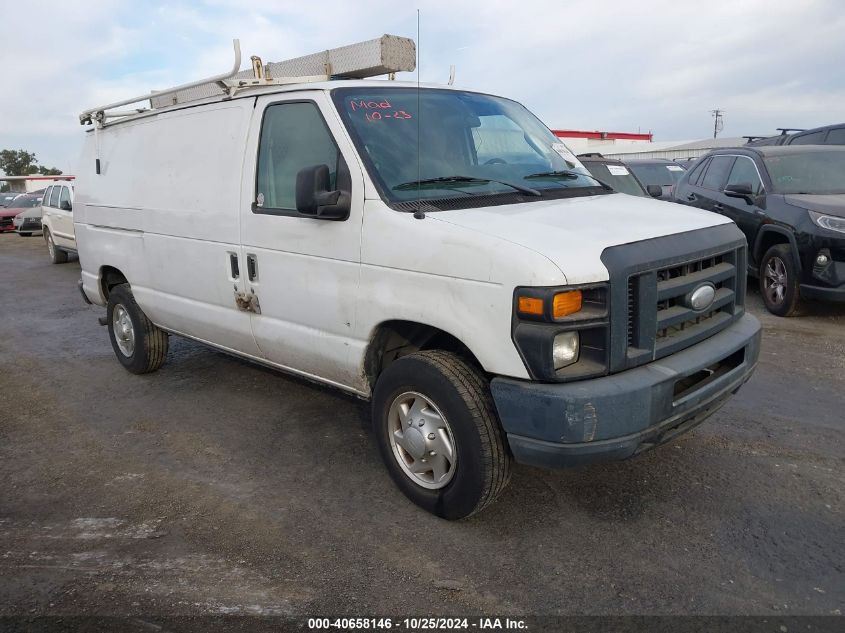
(628, 145)
(27, 184)
(582, 142)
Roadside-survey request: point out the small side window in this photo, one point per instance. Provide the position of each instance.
(816, 138)
(836, 137)
(54, 196)
(717, 172)
(695, 176)
(64, 200)
(293, 136)
(45, 200)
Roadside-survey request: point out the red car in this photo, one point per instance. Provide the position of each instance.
(18, 205)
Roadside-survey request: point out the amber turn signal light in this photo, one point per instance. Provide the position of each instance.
(530, 305)
(566, 303)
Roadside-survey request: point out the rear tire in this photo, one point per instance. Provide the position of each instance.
(140, 346)
(779, 282)
(56, 256)
(441, 387)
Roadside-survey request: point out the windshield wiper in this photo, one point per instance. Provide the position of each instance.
(565, 174)
(413, 184)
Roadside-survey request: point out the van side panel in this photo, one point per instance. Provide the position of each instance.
(164, 211)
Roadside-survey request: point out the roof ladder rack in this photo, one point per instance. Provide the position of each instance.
(385, 55)
(100, 113)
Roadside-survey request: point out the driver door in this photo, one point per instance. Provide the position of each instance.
(303, 270)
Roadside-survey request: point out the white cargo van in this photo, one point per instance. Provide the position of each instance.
(434, 250)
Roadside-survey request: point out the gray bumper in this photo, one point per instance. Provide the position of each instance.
(617, 416)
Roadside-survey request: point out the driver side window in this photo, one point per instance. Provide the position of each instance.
(744, 171)
(293, 136)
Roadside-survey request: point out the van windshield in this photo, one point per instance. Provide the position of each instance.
(469, 145)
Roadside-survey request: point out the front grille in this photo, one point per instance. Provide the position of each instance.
(4, 222)
(660, 320)
(649, 280)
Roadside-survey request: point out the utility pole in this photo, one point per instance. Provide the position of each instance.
(717, 122)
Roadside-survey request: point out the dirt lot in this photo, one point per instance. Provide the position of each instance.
(215, 487)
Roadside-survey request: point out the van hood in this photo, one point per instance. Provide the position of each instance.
(573, 232)
(831, 205)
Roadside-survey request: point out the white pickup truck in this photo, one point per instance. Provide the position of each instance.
(437, 251)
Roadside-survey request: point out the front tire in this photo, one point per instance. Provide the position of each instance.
(56, 256)
(779, 282)
(140, 346)
(438, 433)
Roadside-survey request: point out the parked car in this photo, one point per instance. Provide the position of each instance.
(7, 197)
(57, 221)
(28, 222)
(614, 173)
(790, 203)
(657, 171)
(20, 203)
(490, 308)
(826, 135)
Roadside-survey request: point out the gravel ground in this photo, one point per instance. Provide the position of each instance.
(216, 487)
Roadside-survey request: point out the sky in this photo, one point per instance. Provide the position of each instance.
(621, 66)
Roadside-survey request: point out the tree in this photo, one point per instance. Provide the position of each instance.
(19, 162)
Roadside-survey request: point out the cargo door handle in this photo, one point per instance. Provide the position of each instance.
(252, 267)
(233, 264)
(691, 197)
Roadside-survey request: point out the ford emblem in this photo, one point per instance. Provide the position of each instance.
(702, 297)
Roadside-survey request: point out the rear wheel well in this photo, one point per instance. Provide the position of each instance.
(109, 278)
(394, 339)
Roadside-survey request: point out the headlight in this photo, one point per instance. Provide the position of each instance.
(562, 332)
(829, 222)
(565, 349)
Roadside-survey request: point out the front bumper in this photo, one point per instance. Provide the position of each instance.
(827, 282)
(617, 416)
(823, 293)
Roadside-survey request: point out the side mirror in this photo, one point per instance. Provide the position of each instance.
(740, 190)
(313, 197)
(655, 191)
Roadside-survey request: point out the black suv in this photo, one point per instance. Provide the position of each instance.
(790, 203)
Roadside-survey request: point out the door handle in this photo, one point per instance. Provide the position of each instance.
(718, 207)
(691, 197)
(234, 266)
(252, 267)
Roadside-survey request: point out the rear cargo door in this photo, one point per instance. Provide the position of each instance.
(302, 271)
